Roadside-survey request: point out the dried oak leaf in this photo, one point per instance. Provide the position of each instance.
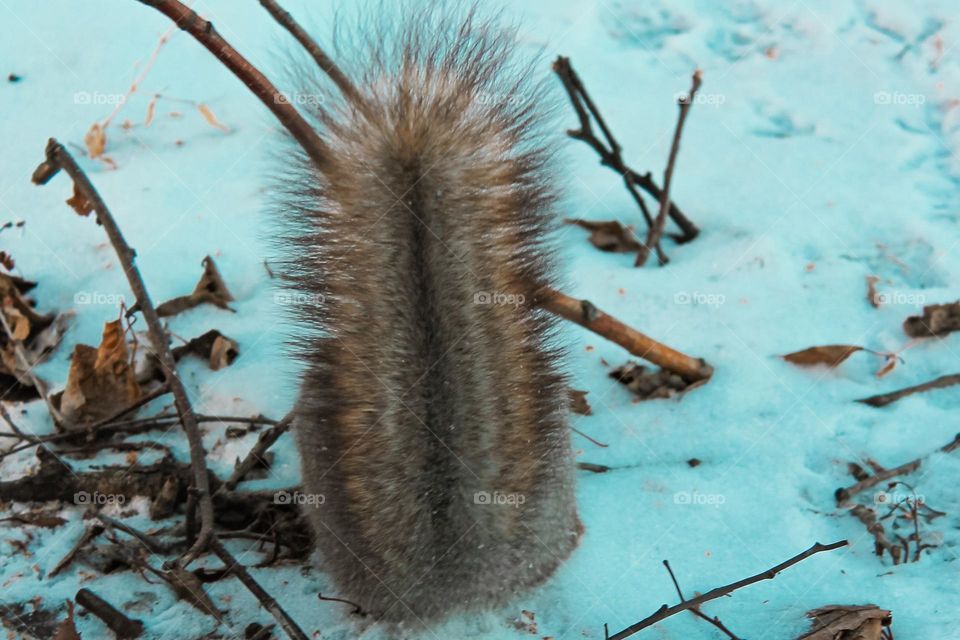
(836, 622)
(101, 380)
(579, 404)
(829, 355)
(936, 320)
(210, 289)
(609, 236)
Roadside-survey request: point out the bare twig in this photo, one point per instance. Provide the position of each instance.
(91, 532)
(656, 230)
(611, 152)
(204, 32)
(266, 600)
(264, 442)
(881, 542)
(715, 621)
(59, 158)
(586, 315)
(328, 66)
(844, 495)
(119, 623)
(665, 612)
(884, 399)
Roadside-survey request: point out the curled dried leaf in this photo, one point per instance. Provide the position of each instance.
(96, 140)
(210, 289)
(830, 355)
(79, 202)
(609, 236)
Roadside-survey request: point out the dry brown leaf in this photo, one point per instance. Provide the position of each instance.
(831, 355)
(211, 119)
(210, 289)
(189, 588)
(836, 622)
(7, 261)
(579, 404)
(609, 236)
(101, 381)
(19, 323)
(217, 349)
(68, 629)
(96, 140)
(79, 202)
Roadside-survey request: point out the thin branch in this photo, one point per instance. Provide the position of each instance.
(59, 158)
(715, 621)
(656, 230)
(204, 32)
(843, 495)
(328, 66)
(611, 154)
(586, 315)
(665, 612)
(884, 399)
(119, 623)
(264, 442)
(266, 600)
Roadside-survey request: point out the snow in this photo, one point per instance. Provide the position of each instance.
(822, 151)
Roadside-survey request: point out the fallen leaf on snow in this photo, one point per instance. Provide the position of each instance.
(830, 355)
(210, 289)
(101, 380)
(609, 236)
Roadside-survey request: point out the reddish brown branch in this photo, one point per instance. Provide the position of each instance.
(264, 442)
(665, 612)
(204, 33)
(119, 623)
(586, 315)
(656, 229)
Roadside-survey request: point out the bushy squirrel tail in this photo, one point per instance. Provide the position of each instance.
(432, 415)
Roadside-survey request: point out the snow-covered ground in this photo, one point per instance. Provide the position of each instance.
(821, 152)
